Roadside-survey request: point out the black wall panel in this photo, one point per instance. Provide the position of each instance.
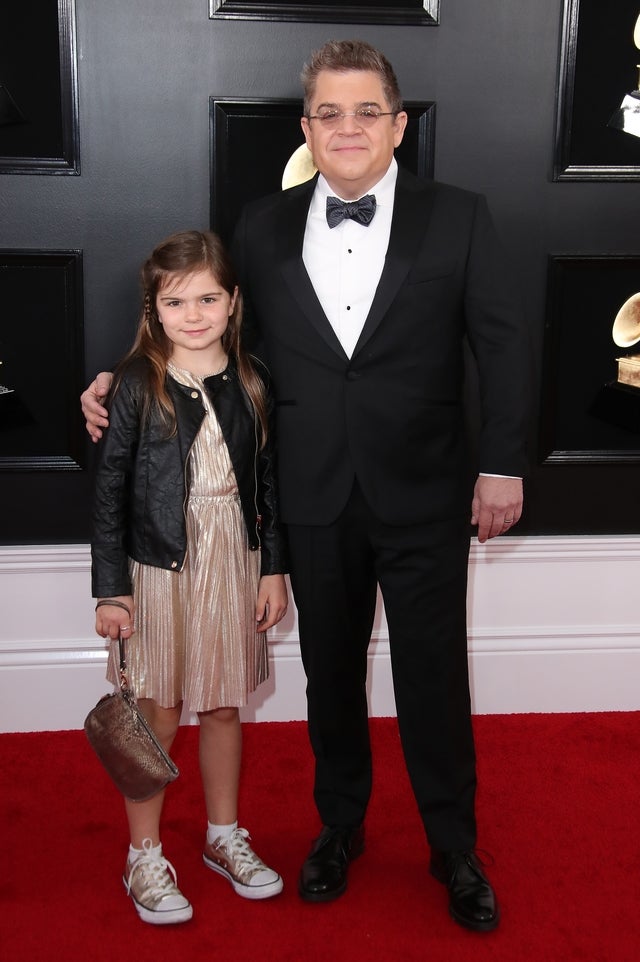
(147, 72)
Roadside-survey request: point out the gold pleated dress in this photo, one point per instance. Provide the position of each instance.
(195, 637)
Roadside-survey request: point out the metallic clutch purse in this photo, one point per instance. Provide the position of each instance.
(126, 745)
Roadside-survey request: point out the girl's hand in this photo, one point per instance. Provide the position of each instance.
(271, 606)
(113, 620)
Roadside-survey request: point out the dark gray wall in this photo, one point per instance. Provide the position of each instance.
(146, 72)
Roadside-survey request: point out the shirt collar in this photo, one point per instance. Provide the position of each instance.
(384, 190)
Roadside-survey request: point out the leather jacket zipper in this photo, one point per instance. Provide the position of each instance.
(185, 500)
(255, 479)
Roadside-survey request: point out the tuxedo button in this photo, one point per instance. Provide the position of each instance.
(353, 375)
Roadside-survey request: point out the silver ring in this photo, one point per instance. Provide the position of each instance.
(508, 520)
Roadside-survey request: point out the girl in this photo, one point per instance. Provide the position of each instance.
(186, 528)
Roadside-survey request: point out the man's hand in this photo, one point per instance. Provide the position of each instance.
(496, 505)
(96, 415)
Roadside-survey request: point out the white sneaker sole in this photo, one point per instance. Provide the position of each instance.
(266, 891)
(170, 917)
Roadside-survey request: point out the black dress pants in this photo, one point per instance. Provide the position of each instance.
(422, 574)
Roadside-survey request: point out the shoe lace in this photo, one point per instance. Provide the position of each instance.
(158, 872)
(237, 847)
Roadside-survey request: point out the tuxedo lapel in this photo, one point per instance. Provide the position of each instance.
(411, 213)
(291, 228)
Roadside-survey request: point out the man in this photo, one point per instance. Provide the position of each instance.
(361, 311)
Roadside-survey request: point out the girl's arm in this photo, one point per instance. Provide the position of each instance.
(116, 453)
(271, 605)
(114, 617)
(273, 546)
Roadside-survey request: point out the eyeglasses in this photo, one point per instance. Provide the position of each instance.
(365, 116)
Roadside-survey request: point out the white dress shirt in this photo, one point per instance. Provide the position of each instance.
(345, 262)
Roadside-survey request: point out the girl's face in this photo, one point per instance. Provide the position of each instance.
(194, 312)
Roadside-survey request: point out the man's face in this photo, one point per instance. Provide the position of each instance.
(351, 157)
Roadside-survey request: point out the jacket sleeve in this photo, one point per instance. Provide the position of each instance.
(272, 538)
(500, 343)
(111, 494)
(251, 336)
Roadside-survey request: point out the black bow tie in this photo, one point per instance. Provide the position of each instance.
(360, 210)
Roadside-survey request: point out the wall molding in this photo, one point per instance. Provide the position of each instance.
(553, 626)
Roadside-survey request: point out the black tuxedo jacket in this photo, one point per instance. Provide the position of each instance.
(392, 415)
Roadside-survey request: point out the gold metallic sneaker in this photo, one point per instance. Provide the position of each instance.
(150, 880)
(234, 858)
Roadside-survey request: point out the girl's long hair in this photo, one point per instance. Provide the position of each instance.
(178, 256)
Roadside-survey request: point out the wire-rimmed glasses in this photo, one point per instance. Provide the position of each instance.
(331, 117)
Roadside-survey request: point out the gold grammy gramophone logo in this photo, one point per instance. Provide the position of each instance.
(626, 333)
(627, 116)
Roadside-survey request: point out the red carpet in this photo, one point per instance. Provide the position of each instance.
(558, 806)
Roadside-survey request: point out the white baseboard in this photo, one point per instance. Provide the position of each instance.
(553, 627)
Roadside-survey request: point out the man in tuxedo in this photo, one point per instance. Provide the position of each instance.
(360, 287)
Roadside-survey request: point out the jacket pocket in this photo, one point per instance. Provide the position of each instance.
(424, 274)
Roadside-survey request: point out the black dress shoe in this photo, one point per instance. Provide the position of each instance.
(472, 901)
(324, 872)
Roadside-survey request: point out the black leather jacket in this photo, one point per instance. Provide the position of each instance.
(142, 479)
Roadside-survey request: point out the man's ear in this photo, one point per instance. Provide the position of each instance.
(399, 126)
(306, 130)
